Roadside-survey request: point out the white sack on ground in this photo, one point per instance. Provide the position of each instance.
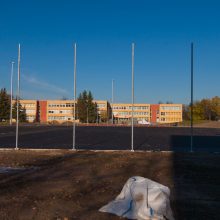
(141, 199)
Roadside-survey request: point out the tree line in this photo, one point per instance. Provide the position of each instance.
(205, 109)
(5, 106)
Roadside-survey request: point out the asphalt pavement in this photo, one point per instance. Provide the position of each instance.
(112, 138)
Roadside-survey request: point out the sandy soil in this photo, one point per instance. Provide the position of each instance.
(74, 185)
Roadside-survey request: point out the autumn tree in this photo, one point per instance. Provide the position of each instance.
(215, 108)
(104, 116)
(206, 109)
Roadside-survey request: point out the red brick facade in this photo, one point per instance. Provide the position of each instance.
(154, 112)
(43, 111)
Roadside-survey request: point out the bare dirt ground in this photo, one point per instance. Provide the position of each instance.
(74, 185)
(208, 124)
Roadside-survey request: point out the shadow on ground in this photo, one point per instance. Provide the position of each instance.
(201, 143)
(196, 190)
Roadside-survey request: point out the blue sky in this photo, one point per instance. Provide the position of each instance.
(104, 30)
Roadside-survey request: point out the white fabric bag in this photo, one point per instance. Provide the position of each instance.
(141, 199)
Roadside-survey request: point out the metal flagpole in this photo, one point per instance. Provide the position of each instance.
(132, 114)
(74, 97)
(18, 94)
(191, 118)
(112, 100)
(12, 73)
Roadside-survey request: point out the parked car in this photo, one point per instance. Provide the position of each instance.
(144, 122)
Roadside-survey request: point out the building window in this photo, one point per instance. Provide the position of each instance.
(171, 108)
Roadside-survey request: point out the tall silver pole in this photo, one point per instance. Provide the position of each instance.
(132, 114)
(18, 94)
(12, 73)
(97, 117)
(74, 97)
(112, 100)
(87, 115)
(191, 118)
(107, 115)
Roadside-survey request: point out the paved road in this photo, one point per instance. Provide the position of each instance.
(112, 138)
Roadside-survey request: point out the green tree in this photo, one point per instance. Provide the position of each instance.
(81, 108)
(86, 108)
(92, 108)
(21, 112)
(4, 105)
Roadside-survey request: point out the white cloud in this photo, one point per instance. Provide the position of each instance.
(44, 85)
